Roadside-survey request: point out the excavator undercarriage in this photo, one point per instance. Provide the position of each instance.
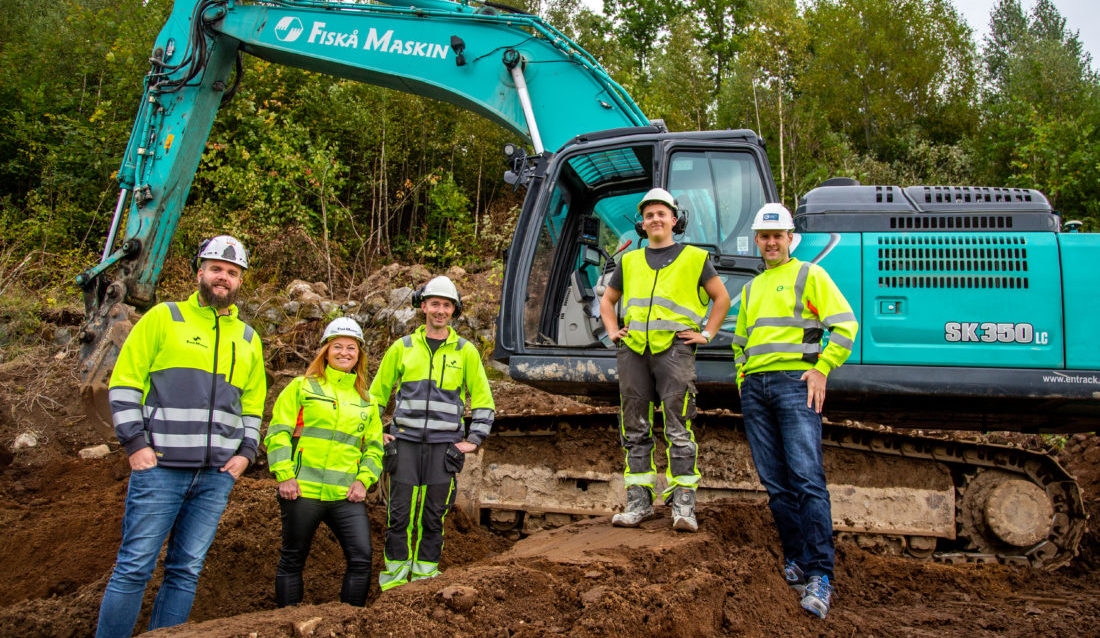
(945, 500)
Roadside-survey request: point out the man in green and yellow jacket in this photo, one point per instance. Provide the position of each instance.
(432, 369)
(186, 394)
(782, 364)
(665, 291)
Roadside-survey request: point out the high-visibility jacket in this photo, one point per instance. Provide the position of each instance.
(431, 389)
(190, 384)
(784, 314)
(339, 439)
(659, 303)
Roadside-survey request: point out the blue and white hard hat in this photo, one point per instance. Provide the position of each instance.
(773, 216)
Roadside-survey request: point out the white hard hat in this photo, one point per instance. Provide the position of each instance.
(343, 327)
(659, 195)
(773, 216)
(440, 286)
(223, 248)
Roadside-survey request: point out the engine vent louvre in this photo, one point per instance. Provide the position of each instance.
(952, 222)
(936, 261)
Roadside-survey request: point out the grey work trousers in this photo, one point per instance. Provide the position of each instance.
(645, 381)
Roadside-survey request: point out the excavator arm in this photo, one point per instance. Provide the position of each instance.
(508, 66)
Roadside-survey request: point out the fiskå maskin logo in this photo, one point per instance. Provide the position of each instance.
(289, 29)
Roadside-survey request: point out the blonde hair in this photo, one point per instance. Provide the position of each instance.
(316, 368)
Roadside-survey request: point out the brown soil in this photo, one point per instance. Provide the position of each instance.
(61, 518)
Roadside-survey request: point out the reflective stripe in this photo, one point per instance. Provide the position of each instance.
(326, 434)
(195, 440)
(461, 344)
(423, 569)
(315, 386)
(840, 340)
(278, 428)
(784, 322)
(480, 428)
(278, 455)
(407, 340)
(433, 424)
(686, 480)
(327, 477)
(659, 324)
(251, 425)
(740, 360)
(374, 468)
(396, 573)
(248, 333)
(739, 340)
(800, 287)
(832, 320)
(648, 479)
(177, 314)
(124, 395)
(745, 296)
(126, 416)
(794, 348)
(483, 414)
(418, 404)
(195, 414)
(644, 302)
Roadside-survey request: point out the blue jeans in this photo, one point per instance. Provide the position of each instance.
(182, 505)
(785, 437)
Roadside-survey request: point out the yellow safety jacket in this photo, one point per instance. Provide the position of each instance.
(339, 439)
(190, 384)
(784, 314)
(431, 389)
(659, 303)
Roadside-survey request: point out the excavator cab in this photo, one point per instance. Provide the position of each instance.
(579, 220)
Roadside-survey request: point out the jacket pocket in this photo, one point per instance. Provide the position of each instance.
(453, 459)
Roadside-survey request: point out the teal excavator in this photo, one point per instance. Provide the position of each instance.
(976, 304)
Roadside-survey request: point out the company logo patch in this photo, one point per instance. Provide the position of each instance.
(195, 341)
(289, 29)
(771, 217)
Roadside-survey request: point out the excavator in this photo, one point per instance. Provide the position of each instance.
(975, 303)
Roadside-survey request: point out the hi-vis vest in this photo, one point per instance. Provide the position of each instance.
(431, 389)
(190, 384)
(325, 435)
(784, 314)
(659, 303)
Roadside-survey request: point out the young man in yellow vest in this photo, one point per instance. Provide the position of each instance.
(782, 367)
(665, 289)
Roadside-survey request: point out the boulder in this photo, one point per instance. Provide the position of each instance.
(459, 598)
(25, 439)
(95, 452)
(400, 297)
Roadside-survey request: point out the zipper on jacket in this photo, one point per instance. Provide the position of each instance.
(213, 389)
(232, 361)
(428, 399)
(649, 310)
(298, 464)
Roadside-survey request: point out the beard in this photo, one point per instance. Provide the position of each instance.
(211, 298)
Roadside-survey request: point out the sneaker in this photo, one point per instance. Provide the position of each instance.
(639, 507)
(792, 573)
(682, 501)
(818, 595)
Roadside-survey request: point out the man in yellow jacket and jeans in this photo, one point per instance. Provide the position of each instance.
(665, 290)
(187, 393)
(782, 366)
(433, 368)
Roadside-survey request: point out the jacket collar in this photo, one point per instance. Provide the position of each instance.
(422, 334)
(193, 303)
(339, 378)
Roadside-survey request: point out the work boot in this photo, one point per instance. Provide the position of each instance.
(639, 507)
(682, 501)
(818, 596)
(796, 580)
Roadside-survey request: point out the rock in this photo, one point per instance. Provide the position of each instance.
(595, 573)
(25, 439)
(297, 288)
(593, 596)
(400, 297)
(306, 627)
(291, 308)
(420, 273)
(62, 337)
(498, 366)
(310, 298)
(350, 306)
(95, 452)
(374, 302)
(329, 308)
(383, 315)
(456, 272)
(273, 315)
(321, 288)
(459, 598)
(402, 321)
(312, 311)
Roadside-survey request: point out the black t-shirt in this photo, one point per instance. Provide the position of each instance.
(433, 344)
(658, 258)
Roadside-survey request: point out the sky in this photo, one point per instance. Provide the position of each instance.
(1082, 16)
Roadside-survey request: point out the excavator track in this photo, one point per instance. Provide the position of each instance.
(941, 500)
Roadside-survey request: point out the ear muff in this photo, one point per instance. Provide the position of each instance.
(196, 261)
(418, 298)
(678, 227)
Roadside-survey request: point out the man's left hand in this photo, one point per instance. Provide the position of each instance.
(815, 389)
(465, 447)
(690, 336)
(235, 466)
(357, 492)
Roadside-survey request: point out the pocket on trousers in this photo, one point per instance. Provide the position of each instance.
(389, 457)
(453, 459)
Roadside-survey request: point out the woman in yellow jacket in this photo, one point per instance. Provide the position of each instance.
(324, 445)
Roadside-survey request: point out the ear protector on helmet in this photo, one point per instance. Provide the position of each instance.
(678, 227)
(419, 298)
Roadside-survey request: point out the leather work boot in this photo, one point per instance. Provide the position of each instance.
(683, 510)
(639, 507)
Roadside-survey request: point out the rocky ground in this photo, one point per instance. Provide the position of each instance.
(61, 519)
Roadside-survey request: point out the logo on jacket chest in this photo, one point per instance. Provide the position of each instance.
(195, 341)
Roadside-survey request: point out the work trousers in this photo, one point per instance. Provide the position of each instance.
(348, 522)
(666, 379)
(422, 491)
(785, 438)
